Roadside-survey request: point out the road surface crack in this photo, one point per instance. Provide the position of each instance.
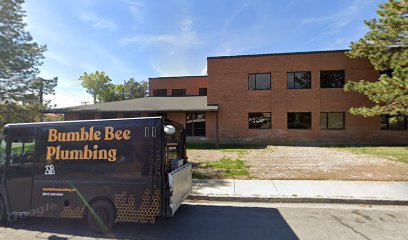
(350, 227)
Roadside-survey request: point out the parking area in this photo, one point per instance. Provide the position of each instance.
(300, 163)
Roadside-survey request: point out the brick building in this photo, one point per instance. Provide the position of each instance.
(265, 98)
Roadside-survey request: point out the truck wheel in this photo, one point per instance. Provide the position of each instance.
(101, 216)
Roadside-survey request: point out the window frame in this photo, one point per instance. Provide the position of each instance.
(270, 120)
(309, 113)
(202, 89)
(183, 91)
(327, 83)
(160, 89)
(256, 89)
(21, 161)
(388, 124)
(294, 75)
(327, 121)
(193, 128)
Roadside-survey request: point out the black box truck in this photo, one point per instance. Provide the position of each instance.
(105, 171)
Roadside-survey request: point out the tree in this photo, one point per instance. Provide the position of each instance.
(135, 89)
(386, 46)
(20, 56)
(40, 87)
(96, 84)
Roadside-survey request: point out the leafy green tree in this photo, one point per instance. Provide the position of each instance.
(111, 94)
(128, 90)
(134, 89)
(386, 46)
(96, 84)
(40, 87)
(20, 56)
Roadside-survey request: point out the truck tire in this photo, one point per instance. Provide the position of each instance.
(101, 216)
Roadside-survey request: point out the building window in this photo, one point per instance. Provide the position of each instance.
(86, 116)
(195, 124)
(299, 80)
(299, 120)
(386, 125)
(259, 120)
(332, 79)
(332, 120)
(108, 115)
(178, 92)
(259, 81)
(159, 92)
(202, 91)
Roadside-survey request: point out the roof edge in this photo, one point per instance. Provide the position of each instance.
(279, 54)
(191, 76)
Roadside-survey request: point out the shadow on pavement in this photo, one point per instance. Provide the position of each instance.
(190, 222)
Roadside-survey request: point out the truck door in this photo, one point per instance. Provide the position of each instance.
(19, 174)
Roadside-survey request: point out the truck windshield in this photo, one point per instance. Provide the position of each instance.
(2, 150)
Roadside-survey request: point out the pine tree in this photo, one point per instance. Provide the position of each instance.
(386, 46)
(20, 56)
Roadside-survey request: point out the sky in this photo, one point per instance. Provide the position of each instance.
(142, 38)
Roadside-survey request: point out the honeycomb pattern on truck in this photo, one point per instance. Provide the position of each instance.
(127, 211)
(73, 212)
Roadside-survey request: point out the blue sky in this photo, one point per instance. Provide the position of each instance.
(142, 39)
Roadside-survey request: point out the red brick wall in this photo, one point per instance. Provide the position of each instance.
(191, 84)
(228, 87)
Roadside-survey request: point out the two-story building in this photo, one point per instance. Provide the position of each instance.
(263, 98)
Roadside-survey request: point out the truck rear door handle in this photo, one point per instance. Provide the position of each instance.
(147, 131)
(153, 131)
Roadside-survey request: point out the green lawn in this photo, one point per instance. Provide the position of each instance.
(230, 168)
(393, 153)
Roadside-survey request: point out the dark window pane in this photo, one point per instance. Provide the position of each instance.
(299, 120)
(251, 82)
(299, 80)
(259, 120)
(332, 120)
(159, 92)
(86, 116)
(335, 121)
(108, 115)
(401, 125)
(303, 80)
(178, 92)
(195, 124)
(263, 81)
(259, 81)
(291, 80)
(323, 120)
(203, 91)
(332, 79)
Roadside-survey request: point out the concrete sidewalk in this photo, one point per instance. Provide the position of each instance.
(305, 191)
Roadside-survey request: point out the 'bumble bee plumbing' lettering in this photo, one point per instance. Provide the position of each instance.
(86, 152)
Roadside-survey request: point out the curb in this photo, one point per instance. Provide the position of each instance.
(296, 200)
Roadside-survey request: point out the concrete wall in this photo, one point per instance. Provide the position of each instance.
(192, 84)
(228, 87)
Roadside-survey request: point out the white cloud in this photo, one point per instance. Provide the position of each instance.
(234, 15)
(185, 38)
(97, 22)
(204, 69)
(136, 8)
(336, 22)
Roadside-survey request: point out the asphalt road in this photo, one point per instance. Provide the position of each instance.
(201, 220)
